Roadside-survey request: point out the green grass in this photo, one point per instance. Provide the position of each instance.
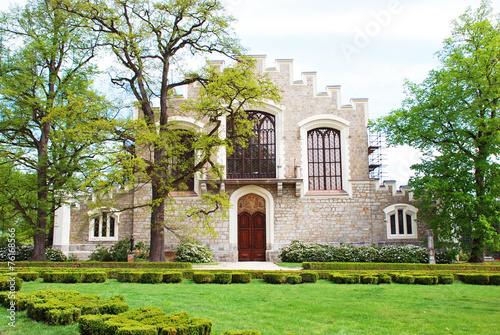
(321, 308)
(290, 265)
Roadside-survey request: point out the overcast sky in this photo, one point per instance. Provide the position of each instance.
(369, 47)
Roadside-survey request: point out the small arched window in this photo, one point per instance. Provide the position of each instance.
(258, 159)
(324, 159)
(401, 221)
(104, 226)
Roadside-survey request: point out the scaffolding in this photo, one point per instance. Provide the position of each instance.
(376, 157)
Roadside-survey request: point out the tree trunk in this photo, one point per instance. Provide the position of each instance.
(477, 253)
(157, 240)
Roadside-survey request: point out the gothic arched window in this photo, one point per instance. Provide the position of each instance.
(258, 159)
(324, 159)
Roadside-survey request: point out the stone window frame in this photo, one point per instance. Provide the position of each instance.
(406, 211)
(99, 213)
(277, 112)
(333, 122)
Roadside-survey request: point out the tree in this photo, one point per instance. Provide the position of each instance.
(49, 113)
(155, 42)
(453, 118)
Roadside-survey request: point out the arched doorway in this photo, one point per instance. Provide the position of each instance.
(251, 228)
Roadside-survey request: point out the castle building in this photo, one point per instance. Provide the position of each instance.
(304, 176)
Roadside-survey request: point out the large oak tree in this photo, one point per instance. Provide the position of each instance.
(155, 44)
(453, 116)
(49, 113)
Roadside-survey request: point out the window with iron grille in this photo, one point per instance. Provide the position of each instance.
(258, 159)
(324, 159)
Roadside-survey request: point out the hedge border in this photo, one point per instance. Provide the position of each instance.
(394, 266)
(133, 265)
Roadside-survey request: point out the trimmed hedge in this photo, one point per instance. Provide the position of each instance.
(72, 277)
(426, 280)
(394, 266)
(63, 307)
(338, 278)
(151, 320)
(28, 276)
(131, 265)
(8, 283)
(474, 278)
(203, 277)
(309, 277)
(274, 278)
(293, 279)
(172, 277)
(241, 278)
(223, 278)
(369, 280)
(384, 278)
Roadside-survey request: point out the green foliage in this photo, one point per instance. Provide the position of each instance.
(403, 279)
(369, 279)
(299, 251)
(50, 119)
(24, 252)
(118, 252)
(293, 279)
(453, 118)
(151, 278)
(338, 278)
(476, 279)
(385, 279)
(274, 278)
(426, 280)
(395, 266)
(172, 277)
(223, 278)
(8, 283)
(241, 332)
(193, 252)
(203, 277)
(241, 278)
(309, 277)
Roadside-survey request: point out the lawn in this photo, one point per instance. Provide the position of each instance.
(321, 308)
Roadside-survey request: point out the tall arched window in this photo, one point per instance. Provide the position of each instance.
(258, 159)
(324, 159)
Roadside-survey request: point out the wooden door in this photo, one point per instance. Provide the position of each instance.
(251, 237)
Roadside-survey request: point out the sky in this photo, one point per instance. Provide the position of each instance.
(368, 47)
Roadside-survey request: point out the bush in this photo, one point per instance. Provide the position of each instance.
(274, 278)
(445, 279)
(8, 283)
(384, 279)
(241, 278)
(293, 279)
(476, 279)
(172, 277)
(222, 278)
(309, 277)
(151, 278)
(369, 280)
(343, 278)
(116, 253)
(24, 252)
(494, 279)
(203, 277)
(55, 255)
(403, 279)
(193, 253)
(94, 277)
(28, 276)
(426, 280)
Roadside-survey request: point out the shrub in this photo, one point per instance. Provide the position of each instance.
(118, 252)
(494, 279)
(343, 278)
(94, 277)
(384, 279)
(8, 283)
(172, 277)
(293, 279)
(403, 279)
(151, 278)
(274, 278)
(309, 277)
(203, 277)
(241, 277)
(426, 280)
(369, 280)
(445, 279)
(222, 278)
(28, 276)
(476, 279)
(55, 255)
(193, 253)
